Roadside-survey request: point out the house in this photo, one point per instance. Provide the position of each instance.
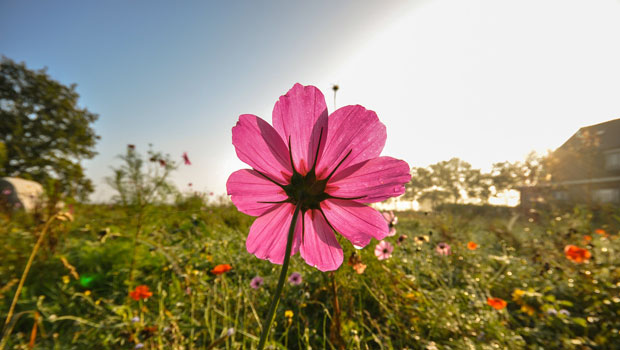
(17, 194)
(585, 169)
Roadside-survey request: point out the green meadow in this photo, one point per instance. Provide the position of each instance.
(77, 294)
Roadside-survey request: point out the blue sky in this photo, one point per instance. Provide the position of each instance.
(480, 80)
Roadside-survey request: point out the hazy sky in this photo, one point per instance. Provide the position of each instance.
(483, 80)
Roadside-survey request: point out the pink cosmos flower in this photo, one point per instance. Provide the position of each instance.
(186, 159)
(443, 249)
(384, 250)
(329, 165)
(392, 220)
(295, 279)
(256, 282)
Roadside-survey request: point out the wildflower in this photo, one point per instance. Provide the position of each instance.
(496, 303)
(528, 310)
(359, 268)
(65, 279)
(587, 239)
(576, 254)
(221, 269)
(600, 231)
(139, 346)
(141, 292)
(384, 250)
(517, 294)
(295, 279)
(355, 261)
(443, 249)
(289, 316)
(551, 312)
(419, 240)
(329, 172)
(256, 282)
(410, 296)
(392, 220)
(186, 159)
(472, 245)
(6, 191)
(87, 292)
(564, 312)
(135, 319)
(401, 239)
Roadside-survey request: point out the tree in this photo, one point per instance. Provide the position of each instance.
(139, 183)
(45, 133)
(530, 172)
(420, 182)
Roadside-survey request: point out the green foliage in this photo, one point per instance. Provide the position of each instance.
(417, 299)
(44, 132)
(139, 182)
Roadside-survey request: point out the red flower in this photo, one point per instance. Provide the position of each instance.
(186, 159)
(472, 245)
(141, 292)
(496, 303)
(576, 254)
(220, 269)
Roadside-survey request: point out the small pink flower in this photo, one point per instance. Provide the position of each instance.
(384, 250)
(186, 159)
(295, 279)
(6, 191)
(443, 249)
(256, 282)
(392, 220)
(329, 165)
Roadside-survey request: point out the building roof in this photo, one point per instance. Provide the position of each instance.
(606, 133)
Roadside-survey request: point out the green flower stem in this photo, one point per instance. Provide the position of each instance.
(276, 297)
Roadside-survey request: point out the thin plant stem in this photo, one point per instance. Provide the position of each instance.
(278, 292)
(35, 249)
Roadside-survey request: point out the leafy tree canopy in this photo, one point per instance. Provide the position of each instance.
(45, 134)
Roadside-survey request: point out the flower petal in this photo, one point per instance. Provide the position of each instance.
(377, 180)
(248, 189)
(268, 234)
(300, 115)
(355, 129)
(258, 144)
(357, 222)
(319, 246)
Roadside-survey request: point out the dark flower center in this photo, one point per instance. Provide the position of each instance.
(306, 190)
(385, 251)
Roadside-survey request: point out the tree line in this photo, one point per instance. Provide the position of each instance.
(456, 181)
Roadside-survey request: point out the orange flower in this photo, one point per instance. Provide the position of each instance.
(576, 254)
(141, 292)
(471, 245)
(359, 268)
(600, 231)
(496, 303)
(220, 269)
(587, 238)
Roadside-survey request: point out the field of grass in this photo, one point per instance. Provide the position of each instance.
(78, 292)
